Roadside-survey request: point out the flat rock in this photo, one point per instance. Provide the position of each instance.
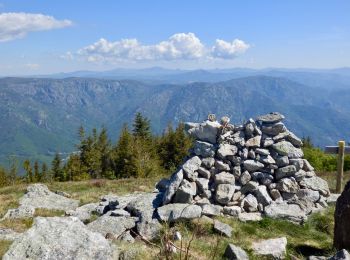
(39, 196)
(226, 150)
(290, 212)
(84, 212)
(8, 234)
(286, 148)
(232, 210)
(211, 210)
(178, 211)
(272, 117)
(233, 252)
(316, 183)
(250, 216)
(252, 165)
(206, 131)
(59, 238)
(253, 142)
(286, 171)
(21, 212)
(204, 149)
(275, 248)
(112, 225)
(222, 228)
(224, 178)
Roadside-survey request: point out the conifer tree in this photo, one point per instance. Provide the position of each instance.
(104, 146)
(3, 177)
(142, 127)
(29, 172)
(56, 169)
(12, 176)
(44, 169)
(37, 176)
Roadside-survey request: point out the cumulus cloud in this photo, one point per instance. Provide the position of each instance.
(180, 46)
(228, 50)
(18, 25)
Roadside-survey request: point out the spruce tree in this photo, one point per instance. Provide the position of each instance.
(37, 176)
(104, 147)
(29, 172)
(56, 169)
(44, 169)
(142, 127)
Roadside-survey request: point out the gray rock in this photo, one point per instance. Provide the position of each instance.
(286, 171)
(59, 238)
(280, 136)
(226, 150)
(191, 166)
(291, 212)
(39, 196)
(286, 148)
(127, 237)
(144, 203)
(21, 212)
(251, 155)
(119, 213)
(84, 212)
(222, 228)
(307, 166)
(276, 195)
(267, 142)
(236, 171)
(245, 178)
(274, 248)
(253, 142)
(233, 252)
(296, 141)
(232, 210)
(250, 216)
(250, 203)
(206, 131)
(224, 193)
(185, 192)
(211, 210)
(273, 129)
(262, 151)
(202, 184)
(224, 178)
(177, 211)
(112, 225)
(252, 166)
(174, 184)
(307, 194)
(8, 234)
(221, 166)
(316, 183)
(263, 196)
(341, 255)
(148, 227)
(204, 172)
(250, 187)
(288, 185)
(272, 117)
(262, 177)
(282, 161)
(332, 199)
(204, 149)
(298, 163)
(208, 162)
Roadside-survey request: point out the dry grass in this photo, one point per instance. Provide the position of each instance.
(4, 246)
(331, 178)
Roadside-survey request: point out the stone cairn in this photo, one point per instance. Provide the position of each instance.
(254, 167)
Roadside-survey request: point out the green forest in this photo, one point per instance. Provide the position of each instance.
(137, 153)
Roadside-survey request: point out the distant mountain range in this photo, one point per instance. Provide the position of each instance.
(39, 116)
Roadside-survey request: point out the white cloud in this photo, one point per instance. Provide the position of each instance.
(180, 46)
(228, 50)
(17, 25)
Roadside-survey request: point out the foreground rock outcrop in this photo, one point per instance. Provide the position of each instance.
(341, 219)
(59, 238)
(257, 167)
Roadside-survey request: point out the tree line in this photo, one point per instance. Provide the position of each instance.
(136, 153)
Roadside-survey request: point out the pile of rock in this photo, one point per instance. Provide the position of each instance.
(254, 167)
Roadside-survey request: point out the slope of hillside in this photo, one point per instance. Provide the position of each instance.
(41, 116)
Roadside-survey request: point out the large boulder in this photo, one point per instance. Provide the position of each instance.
(59, 238)
(291, 212)
(178, 211)
(39, 196)
(206, 131)
(112, 225)
(174, 184)
(84, 212)
(341, 220)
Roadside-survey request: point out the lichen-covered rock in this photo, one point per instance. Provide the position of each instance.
(59, 238)
(178, 211)
(274, 248)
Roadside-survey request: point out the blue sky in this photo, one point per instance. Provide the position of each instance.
(39, 37)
